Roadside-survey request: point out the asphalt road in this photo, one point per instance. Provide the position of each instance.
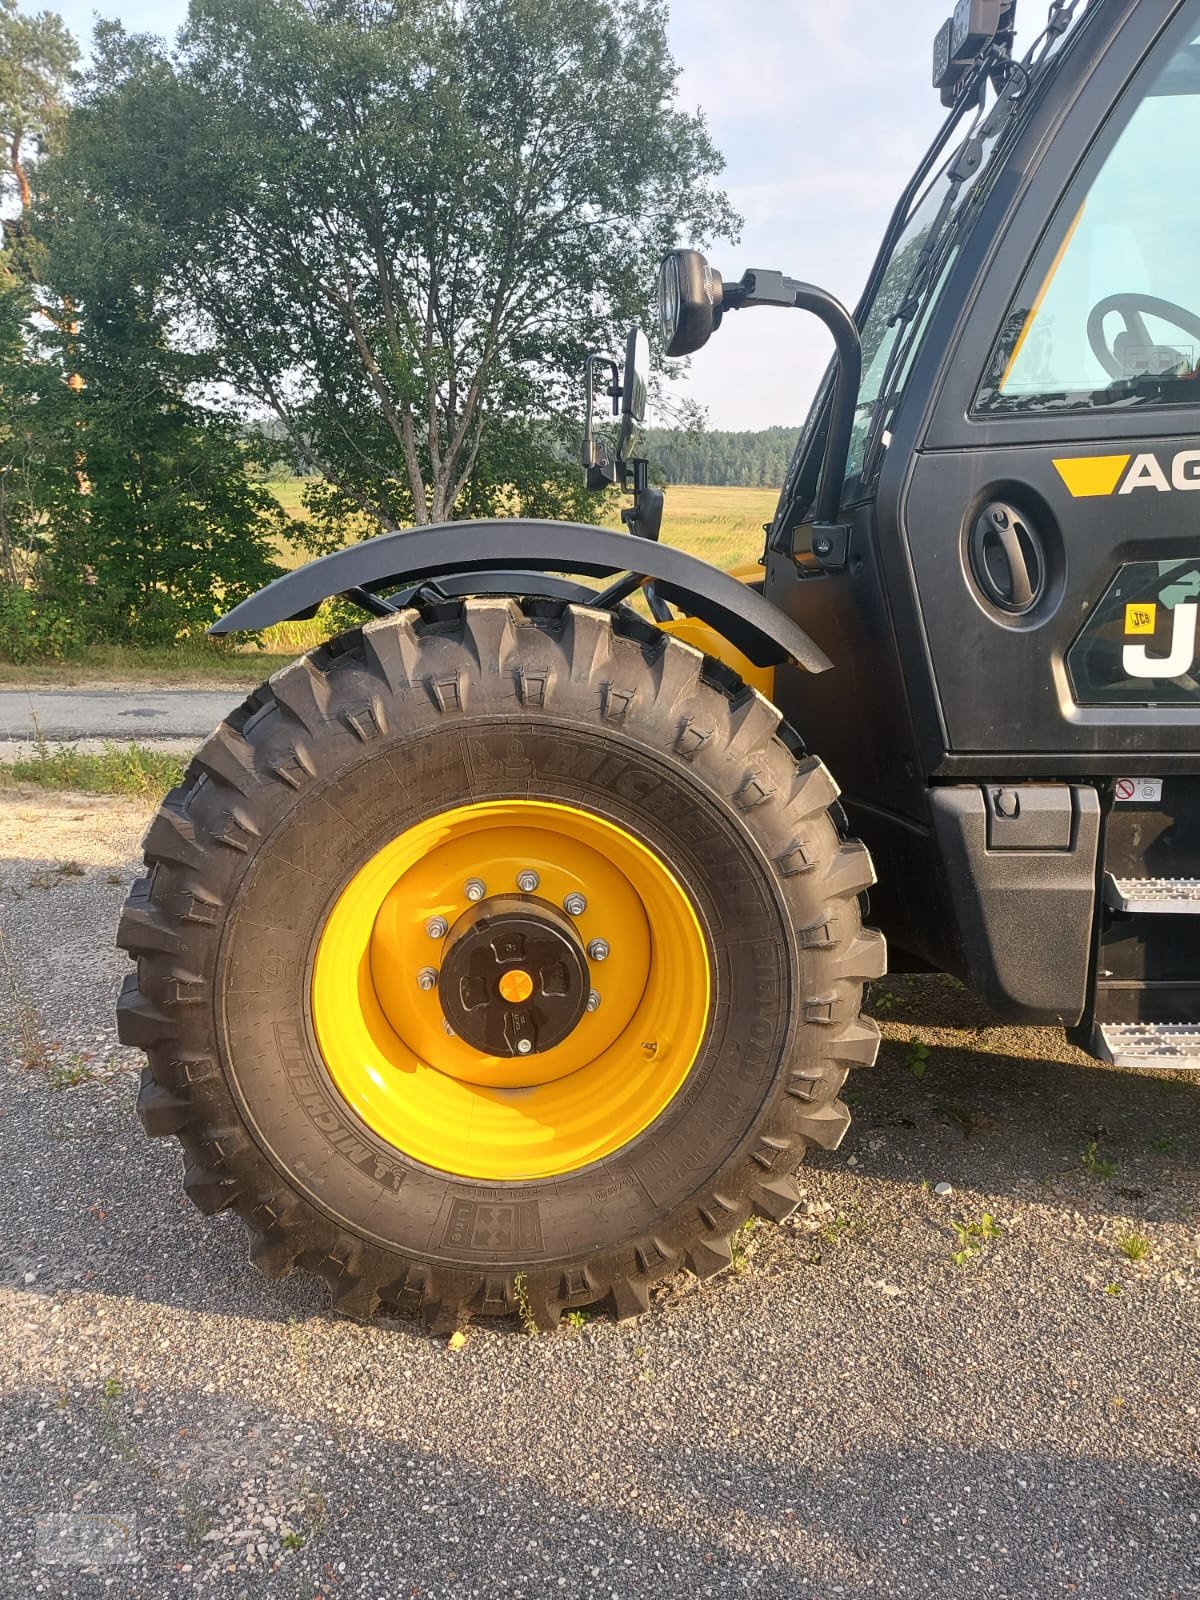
(853, 1415)
(125, 713)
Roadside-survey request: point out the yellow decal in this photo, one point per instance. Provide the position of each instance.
(1091, 475)
(1140, 618)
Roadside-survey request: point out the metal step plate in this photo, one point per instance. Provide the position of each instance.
(1178, 896)
(1173, 1046)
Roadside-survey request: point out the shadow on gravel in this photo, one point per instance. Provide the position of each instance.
(663, 1517)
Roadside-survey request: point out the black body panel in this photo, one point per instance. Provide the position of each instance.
(937, 690)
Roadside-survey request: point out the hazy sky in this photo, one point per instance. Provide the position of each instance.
(821, 108)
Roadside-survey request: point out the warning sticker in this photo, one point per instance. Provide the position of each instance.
(1146, 791)
(1140, 618)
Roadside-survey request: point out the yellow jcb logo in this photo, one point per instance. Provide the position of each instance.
(1085, 476)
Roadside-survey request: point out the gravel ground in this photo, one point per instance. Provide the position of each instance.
(852, 1414)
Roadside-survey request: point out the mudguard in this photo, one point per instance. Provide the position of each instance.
(396, 560)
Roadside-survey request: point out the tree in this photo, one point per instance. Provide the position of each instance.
(37, 58)
(396, 225)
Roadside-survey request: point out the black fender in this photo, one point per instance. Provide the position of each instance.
(395, 560)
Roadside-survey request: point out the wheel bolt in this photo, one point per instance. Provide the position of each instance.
(427, 978)
(575, 905)
(523, 1047)
(475, 888)
(598, 950)
(437, 927)
(593, 1001)
(527, 881)
(448, 1028)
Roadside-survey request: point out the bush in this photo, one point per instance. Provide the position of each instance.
(37, 627)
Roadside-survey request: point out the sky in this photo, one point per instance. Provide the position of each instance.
(822, 109)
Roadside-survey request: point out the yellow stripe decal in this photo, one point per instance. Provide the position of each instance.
(1091, 475)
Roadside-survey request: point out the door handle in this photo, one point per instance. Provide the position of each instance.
(1007, 559)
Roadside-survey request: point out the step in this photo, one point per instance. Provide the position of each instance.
(1173, 1046)
(1156, 896)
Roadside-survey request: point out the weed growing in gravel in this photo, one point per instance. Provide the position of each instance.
(292, 1541)
(196, 1523)
(916, 1058)
(117, 769)
(1134, 1246)
(965, 1118)
(524, 1306)
(1166, 1144)
(69, 1073)
(1113, 1288)
(882, 1001)
(740, 1245)
(576, 1320)
(33, 1052)
(1095, 1164)
(972, 1236)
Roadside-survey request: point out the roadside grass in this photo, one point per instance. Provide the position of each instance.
(721, 525)
(117, 769)
(191, 662)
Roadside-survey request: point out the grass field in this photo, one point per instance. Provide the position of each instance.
(723, 526)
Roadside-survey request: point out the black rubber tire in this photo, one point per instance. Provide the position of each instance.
(413, 714)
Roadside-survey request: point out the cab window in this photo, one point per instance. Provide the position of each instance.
(1109, 313)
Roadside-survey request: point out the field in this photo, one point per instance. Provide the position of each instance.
(721, 525)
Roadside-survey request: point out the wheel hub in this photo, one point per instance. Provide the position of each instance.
(514, 978)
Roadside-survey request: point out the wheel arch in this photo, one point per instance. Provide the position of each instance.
(734, 610)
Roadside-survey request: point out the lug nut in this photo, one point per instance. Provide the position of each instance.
(448, 1028)
(527, 881)
(523, 1047)
(427, 978)
(598, 950)
(437, 927)
(575, 905)
(593, 1001)
(475, 888)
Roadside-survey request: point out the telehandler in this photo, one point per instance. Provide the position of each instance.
(509, 949)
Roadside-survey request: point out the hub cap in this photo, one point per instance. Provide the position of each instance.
(514, 975)
(531, 1080)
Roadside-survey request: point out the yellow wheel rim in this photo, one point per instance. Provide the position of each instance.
(427, 1092)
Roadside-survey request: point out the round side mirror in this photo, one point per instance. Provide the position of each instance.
(636, 380)
(689, 301)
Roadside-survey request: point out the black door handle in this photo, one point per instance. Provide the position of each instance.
(1007, 560)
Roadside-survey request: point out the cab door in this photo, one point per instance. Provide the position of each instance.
(1051, 512)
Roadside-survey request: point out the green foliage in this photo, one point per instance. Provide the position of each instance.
(752, 459)
(117, 769)
(394, 228)
(37, 627)
(916, 1058)
(1094, 1163)
(972, 1236)
(1134, 1246)
(37, 56)
(171, 532)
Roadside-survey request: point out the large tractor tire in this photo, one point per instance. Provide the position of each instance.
(499, 955)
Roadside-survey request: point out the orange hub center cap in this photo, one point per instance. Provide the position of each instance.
(516, 986)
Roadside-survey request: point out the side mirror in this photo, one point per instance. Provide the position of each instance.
(635, 382)
(690, 301)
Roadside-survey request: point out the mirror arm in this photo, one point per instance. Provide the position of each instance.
(595, 464)
(759, 288)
